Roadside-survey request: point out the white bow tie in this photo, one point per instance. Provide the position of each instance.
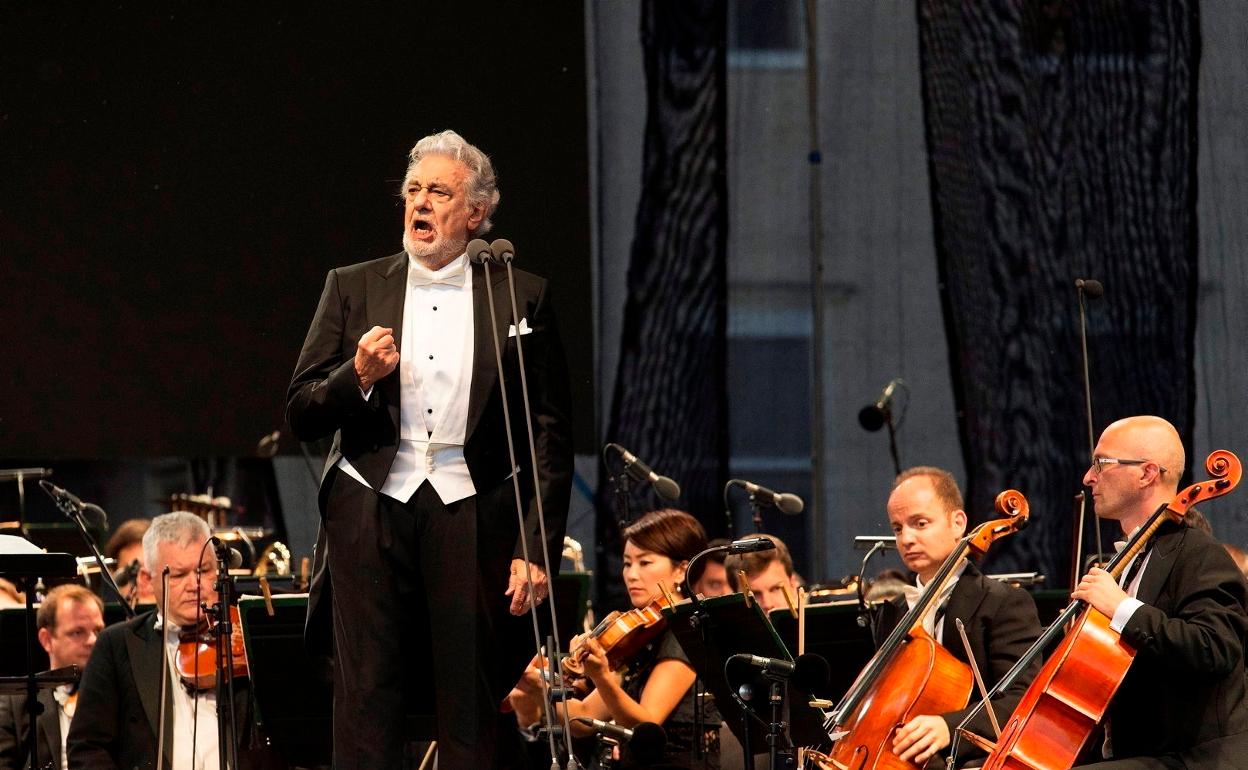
(451, 275)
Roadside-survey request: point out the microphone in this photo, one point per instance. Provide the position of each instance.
(645, 741)
(127, 574)
(62, 495)
(1091, 288)
(231, 556)
(665, 487)
(749, 545)
(267, 446)
(479, 251)
(867, 542)
(786, 502)
(503, 251)
(809, 672)
(873, 416)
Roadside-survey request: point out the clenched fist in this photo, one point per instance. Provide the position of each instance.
(375, 356)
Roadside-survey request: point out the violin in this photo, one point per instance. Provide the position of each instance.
(621, 634)
(911, 674)
(1072, 692)
(197, 656)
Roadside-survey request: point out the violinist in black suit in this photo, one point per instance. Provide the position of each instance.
(420, 539)
(1184, 609)
(1001, 622)
(116, 725)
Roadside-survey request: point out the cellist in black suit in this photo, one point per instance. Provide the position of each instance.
(1001, 622)
(1184, 609)
(420, 539)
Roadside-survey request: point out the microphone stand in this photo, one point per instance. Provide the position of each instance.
(74, 512)
(164, 666)
(227, 729)
(622, 490)
(865, 617)
(892, 440)
(554, 653)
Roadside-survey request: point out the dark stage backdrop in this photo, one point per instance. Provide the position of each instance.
(1061, 139)
(669, 400)
(175, 184)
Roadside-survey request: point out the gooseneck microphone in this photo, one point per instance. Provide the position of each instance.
(785, 502)
(664, 487)
(747, 545)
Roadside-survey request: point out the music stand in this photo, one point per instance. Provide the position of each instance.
(727, 626)
(832, 632)
(25, 570)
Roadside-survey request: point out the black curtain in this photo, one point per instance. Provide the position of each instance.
(668, 404)
(1061, 141)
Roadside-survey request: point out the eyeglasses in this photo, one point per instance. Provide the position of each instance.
(1099, 463)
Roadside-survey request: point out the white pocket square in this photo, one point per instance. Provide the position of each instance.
(524, 328)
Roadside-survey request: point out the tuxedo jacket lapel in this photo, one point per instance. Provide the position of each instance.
(968, 594)
(484, 367)
(1163, 557)
(387, 290)
(49, 732)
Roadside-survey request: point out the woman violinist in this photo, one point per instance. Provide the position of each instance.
(657, 684)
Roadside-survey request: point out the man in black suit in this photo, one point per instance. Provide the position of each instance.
(69, 621)
(421, 540)
(1184, 611)
(1001, 622)
(119, 703)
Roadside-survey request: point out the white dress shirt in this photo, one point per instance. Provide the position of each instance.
(435, 375)
(937, 610)
(194, 716)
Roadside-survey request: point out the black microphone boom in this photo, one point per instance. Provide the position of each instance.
(665, 488)
(786, 502)
(60, 494)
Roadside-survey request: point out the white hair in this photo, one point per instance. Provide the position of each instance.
(481, 186)
(181, 527)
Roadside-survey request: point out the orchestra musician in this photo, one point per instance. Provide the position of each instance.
(116, 724)
(659, 684)
(926, 514)
(709, 577)
(1184, 610)
(769, 573)
(125, 548)
(420, 542)
(69, 621)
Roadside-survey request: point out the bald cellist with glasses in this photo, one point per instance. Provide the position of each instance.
(1183, 608)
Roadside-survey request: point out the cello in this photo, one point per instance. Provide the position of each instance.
(1072, 692)
(911, 673)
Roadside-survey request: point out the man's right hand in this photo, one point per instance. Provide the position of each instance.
(375, 356)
